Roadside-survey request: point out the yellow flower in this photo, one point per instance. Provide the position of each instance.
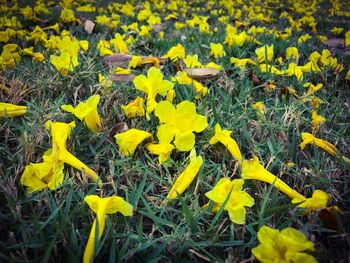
(224, 137)
(64, 63)
(303, 38)
(135, 62)
(347, 76)
(192, 61)
(285, 246)
(59, 133)
(312, 88)
(176, 52)
(317, 120)
(308, 138)
(122, 71)
(87, 112)
(68, 16)
(179, 122)
(9, 55)
(260, 107)
(134, 108)
(237, 199)
(187, 176)
(200, 90)
(318, 201)
(102, 207)
(119, 44)
(217, 50)
(242, 62)
(105, 83)
(38, 176)
(327, 60)
(337, 30)
(292, 53)
(163, 150)
(347, 38)
(182, 78)
(11, 110)
(213, 65)
(129, 140)
(262, 52)
(253, 170)
(152, 85)
(295, 70)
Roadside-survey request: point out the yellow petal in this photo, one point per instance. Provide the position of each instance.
(129, 140)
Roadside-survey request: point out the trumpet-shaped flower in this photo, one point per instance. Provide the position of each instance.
(224, 137)
(176, 52)
(87, 111)
(264, 53)
(260, 108)
(252, 169)
(242, 62)
(292, 53)
(119, 44)
(217, 50)
(312, 88)
(318, 201)
(179, 122)
(11, 110)
(308, 138)
(60, 132)
(163, 150)
(134, 108)
(317, 120)
(192, 61)
(287, 246)
(237, 199)
(129, 140)
(64, 63)
(187, 176)
(152, 85)
(38, 176)
(102, 207)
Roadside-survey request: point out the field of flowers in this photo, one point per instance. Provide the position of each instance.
(175, 131)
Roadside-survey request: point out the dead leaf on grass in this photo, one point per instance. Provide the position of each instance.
(201, 73)
(122, 77)
(89, 26)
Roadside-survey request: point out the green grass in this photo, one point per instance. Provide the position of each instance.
(53, 226)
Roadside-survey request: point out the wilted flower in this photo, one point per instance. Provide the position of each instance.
(129, 140)
(102, 207)
(187, 176)
(288, 245)
(38, 176)
(237, 199)
(224, 137)
(87, 112)
(60, 132)
(134, 108)
(11, 110)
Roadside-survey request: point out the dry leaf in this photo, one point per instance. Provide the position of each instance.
(122, 77)
(201, 73)
(89, 26)
(158, 27)
(122, 60)
(256, 81)
(335, 42)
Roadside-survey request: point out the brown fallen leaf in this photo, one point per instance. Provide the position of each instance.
(122, 77)
(118, 128)
(158, 27)
(256, 81)
(122, 60)
(335, 42)
(201, 73)
(89, 26)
